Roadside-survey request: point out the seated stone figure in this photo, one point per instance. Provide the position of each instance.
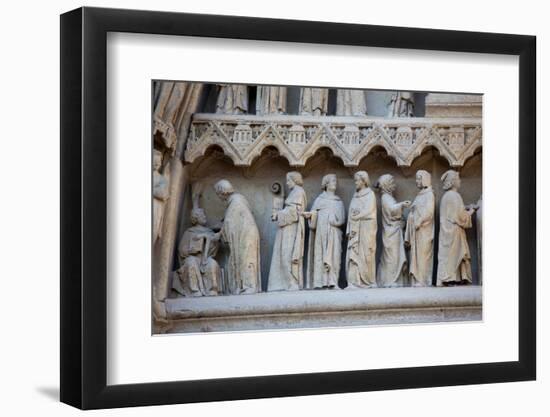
(199, 274)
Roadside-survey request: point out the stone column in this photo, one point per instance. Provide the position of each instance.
(176, 104)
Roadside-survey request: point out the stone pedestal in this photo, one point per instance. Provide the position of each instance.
(453, 105)
(324, 308)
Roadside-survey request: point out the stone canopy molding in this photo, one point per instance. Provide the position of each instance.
(244, 137)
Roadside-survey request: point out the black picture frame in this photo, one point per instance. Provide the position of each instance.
(84, 207)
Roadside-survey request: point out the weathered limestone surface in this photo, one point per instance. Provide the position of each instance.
(453, 105)
(244, 137)
(361, 234)
(254, 152)
(401, 104)
(326, 218)
(287, 262)
(172, 117)
(393, 262)
(454, 259)
(419, 233)
(318, 308)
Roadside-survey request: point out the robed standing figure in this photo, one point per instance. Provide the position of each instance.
(454, 260)
(419, 234)
(361, 233)
(286, 271)
(393, 262)
(241, 234)
(326, 217)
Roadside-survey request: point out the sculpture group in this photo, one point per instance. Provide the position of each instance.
(329, 228)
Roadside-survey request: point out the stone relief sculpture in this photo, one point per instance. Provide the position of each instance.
(313, 101)
(393, 261)
(232, 99)
(161, 192)
(361, 234)
(240, 232)
(270, 100)
(401, 105)
(419, 233)
(479, 228)
(454, 254)
(199, 273)
(351, 102)
(286, 271)
(326, 217)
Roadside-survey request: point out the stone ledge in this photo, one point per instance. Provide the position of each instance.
(324, 308)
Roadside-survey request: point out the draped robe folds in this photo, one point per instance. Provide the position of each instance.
(351, 103)
(270, 100)
(393, 260)
(419, 234)
(479, 228)
(361, 250)
(160, 195)
(314, 101)
(286, 271)
(454, 254)
(325, 241)
(401, 105)
(241, 233)
(189, 280)
(232, 99)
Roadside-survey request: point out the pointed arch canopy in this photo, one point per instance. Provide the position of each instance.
(297, 138)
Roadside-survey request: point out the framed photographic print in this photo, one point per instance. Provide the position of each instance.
(257, 208)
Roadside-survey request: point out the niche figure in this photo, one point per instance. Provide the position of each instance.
(351, 102)
(419, 234)
(313, 101)
(401, 105)
(361, 233)
(161, 193)
(454, 260)
(393, 262)
(240, 232)
(270, 100)
(286, 271)
(232, 99)
(199, 273)
(326, 218)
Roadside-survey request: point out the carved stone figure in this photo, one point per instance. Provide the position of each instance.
(401, 105)
(393, 261)
(419, 234)
(454, 260)
(313, 101)
(161, 193)
(286, 271)
(351, 102)
(361, 233)
(199, 273)
(232, 99)
(479, 228)
(326, 218)
(240, 232)
(270, 100)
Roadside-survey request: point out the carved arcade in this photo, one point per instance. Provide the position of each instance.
(298, 138)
